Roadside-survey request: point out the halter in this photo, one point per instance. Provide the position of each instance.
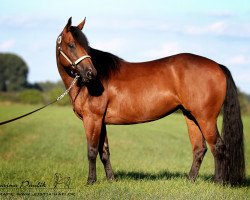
(73, 64)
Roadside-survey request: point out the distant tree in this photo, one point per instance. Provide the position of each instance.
(2, 81)
(13, 72)
(34, 86)
(48, 85)
(244, 102)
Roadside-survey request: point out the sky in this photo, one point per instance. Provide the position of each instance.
(136, 31)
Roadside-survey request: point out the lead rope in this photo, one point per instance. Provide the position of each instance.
(67, 91)
(57, 99)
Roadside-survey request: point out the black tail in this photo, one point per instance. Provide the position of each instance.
(232, 135)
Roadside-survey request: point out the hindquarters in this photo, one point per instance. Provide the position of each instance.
(201, 86)
(206, 87)
(202, 94)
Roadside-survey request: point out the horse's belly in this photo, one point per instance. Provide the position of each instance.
(139, 109)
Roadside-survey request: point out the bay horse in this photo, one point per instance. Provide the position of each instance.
(111, 90)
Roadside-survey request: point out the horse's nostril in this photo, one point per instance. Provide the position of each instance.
(89, 74)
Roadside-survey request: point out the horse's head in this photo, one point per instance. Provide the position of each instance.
(72, 52)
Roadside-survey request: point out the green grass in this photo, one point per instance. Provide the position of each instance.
(150, 160)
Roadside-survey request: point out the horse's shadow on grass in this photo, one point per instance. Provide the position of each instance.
(164, 175)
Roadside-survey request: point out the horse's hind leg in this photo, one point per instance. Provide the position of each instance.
(104, 153)
(211, 135)
(198, 145)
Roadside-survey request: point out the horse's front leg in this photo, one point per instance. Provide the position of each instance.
(93, 131)
(104, 153)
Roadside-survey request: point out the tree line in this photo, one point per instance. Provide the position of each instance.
(14, 72)
(15, 87)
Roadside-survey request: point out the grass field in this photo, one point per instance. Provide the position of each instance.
(150, 160)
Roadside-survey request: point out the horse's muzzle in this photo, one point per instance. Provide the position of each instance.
(88, 75)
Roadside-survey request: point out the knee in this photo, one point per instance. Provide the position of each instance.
(92, 153)
(105, 156)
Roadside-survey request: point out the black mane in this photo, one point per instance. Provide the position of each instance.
(104, 62)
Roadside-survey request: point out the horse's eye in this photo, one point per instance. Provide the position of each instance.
(71, 45)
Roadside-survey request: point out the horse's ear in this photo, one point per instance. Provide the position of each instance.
(81, 25)
(68, 25)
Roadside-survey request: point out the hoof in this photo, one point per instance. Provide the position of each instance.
(112, 179)
(218, 181)
(191, 178)
(91, 182)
